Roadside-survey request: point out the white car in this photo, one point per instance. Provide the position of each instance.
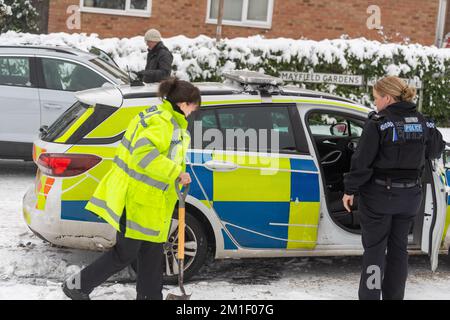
(37, 84)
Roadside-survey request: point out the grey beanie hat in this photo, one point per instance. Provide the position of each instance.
(152, 35)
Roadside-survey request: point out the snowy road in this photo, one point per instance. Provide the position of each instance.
(32, 269)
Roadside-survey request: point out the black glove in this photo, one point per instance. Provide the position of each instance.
(138, 80)
(140, 74)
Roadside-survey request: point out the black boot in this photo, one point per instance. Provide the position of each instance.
(74, 294)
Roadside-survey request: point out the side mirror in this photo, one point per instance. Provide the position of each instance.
(338, 129)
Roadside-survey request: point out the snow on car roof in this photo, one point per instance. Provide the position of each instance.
(56, 49)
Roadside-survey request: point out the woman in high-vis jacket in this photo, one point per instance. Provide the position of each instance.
(137, 196)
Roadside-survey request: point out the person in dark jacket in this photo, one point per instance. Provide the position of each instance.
(159, 59)
(386, 172)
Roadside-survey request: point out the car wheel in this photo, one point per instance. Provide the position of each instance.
(195, 250)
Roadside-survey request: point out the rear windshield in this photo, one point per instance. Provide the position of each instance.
(74, 124)
(64, 122)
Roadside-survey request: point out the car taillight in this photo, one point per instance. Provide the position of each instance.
(66, 165)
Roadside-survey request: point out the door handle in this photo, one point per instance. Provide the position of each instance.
(217, 165)
(52, 106)
(326, 159)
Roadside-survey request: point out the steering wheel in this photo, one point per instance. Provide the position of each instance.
(331, 157)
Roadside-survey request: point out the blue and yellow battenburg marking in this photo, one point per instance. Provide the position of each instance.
(267, 203)
(271, 203)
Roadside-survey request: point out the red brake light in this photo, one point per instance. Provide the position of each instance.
(66, 165)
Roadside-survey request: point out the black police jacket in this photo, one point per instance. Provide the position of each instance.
(394, 144)
(159, 64)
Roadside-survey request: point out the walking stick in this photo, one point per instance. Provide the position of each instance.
(181, 226)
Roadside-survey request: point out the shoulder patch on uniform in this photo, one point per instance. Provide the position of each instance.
(431, 124)
(151, 109)
(145, 117)
(387, 125)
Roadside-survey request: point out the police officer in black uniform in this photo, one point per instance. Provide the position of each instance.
(386, 172)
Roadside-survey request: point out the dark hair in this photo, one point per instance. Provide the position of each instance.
(175, 90)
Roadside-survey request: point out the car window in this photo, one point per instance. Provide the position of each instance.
(77, 122)
(69, 76)
(247, 129)
(322, 124)
(209, 119)
(204, 125)
(325, 124)
(15, 71)
(65, 121)
(356, 129)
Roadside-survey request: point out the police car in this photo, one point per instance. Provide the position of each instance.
(278, 197)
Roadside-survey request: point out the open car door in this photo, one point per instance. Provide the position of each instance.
(435, 212)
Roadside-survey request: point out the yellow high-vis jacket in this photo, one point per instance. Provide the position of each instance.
(147, 162)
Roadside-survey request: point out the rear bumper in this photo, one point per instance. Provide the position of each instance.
(47, 224)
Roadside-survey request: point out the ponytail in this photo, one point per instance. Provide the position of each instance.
(175, 90)
(395, 87)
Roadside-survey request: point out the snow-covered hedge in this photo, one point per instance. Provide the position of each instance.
(18, 15)
(5, 10)
(201, 59)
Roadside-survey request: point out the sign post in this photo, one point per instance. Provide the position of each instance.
(219, 21)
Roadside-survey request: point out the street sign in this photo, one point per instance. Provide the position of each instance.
(342, 79)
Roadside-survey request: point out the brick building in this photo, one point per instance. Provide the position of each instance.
(312, 19)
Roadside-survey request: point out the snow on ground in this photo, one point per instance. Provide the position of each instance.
(32, 269)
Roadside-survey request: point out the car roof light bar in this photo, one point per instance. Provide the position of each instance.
(252, 77)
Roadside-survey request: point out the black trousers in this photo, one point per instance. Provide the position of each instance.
(386, 217)
(149, 257)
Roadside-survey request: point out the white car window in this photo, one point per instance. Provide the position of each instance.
(15, 71)
(356, 129)
(323, 124)
(256, 123)
(69, 76)
(320, 124)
